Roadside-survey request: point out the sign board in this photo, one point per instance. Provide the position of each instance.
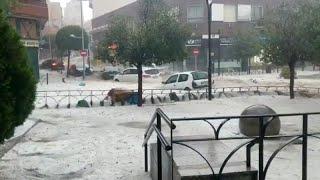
(193, 43)
(30, 43)
(83, 53)
(213, 36)
(196, 52)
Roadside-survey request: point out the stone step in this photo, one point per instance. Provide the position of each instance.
(188, 165)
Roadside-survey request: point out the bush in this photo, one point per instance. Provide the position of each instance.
(285, 73)
(83, 103)
(18, 85)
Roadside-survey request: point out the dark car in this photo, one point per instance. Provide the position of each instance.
(77, 72)
(109, 75)
(53, 64)
(57, 65)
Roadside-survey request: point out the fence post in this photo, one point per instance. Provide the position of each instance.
(69, 103)
(248, 154)
(145, 155)
(261, 138)
(47, 77)
(46, 100)
(159, 151)
(91, 94)
(305, 147)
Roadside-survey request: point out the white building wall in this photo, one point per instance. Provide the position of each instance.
(55, 14)
(72, 13)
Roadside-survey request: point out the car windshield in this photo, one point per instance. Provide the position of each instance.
(199, 75)
(152, 71)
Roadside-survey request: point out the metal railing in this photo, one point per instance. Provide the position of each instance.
(251, 141)
(161, 140)
(56, 97)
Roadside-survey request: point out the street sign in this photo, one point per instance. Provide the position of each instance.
(83, 53)
(196, 52)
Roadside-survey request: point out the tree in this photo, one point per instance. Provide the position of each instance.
(155, 37)
(5, 5)
(245, 46)
(17, 82)
(69, 38)
(290, 31)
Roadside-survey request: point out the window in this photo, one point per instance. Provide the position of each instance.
(257, 12)
(126, 71)
(172, 79)
(28, 29)
(133, 71)
(199, 75)
(152, 71)
(230, 13)
(183, 77)
(217, 12)
(244, 12)
(130, 71)
(195, 13)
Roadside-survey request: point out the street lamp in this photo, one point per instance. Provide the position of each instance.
(209, 6)
(82, 35)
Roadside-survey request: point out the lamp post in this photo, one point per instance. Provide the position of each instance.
(82, 37)
(209, 6)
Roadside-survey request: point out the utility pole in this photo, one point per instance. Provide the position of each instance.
(209, 6)
(82, 37)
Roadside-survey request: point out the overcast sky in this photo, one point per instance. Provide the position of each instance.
(87, 12)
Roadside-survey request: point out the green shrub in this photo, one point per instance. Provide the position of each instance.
(17, 83)
(83, 103)
(285, 73)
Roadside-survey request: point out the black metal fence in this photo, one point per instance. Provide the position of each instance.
(159, 117)
(68, 98)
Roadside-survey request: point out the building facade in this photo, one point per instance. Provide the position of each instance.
(55, 18)
(72, 13)
(228, 18)
(101, 7)
(28, 18)
(55, 14)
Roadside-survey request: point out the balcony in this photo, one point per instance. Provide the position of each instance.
(34, 9)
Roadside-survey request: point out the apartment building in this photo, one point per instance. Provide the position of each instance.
(28, 19)
(228, 18)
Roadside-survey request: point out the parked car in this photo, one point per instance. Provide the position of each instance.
(187, 80)
(53, 64)
(131, 75)
(109, 75)
(57, 65)
(78, 71)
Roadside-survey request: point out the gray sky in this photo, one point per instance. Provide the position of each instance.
(87, 12)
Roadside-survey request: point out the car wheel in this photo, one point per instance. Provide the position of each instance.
(187, 89)
(116, 80)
